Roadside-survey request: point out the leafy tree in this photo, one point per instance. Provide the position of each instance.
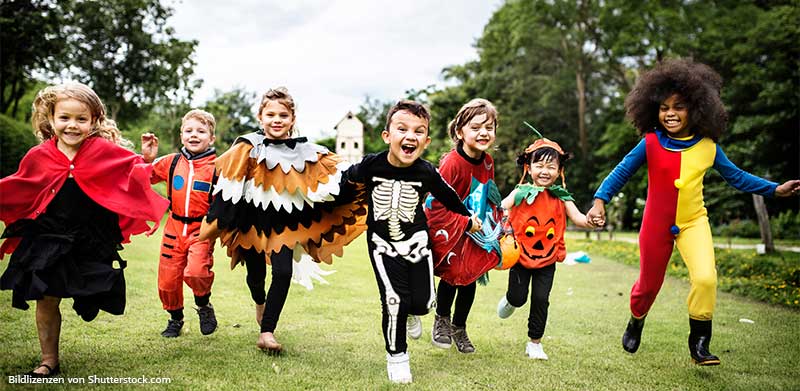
(235, 114)
(372, 114)
(566, 67)
(125, 51)
(31, 40)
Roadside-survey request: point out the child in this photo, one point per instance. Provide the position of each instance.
(397, 237)
(537, 213)
(459, 259)
(184, 257)
(274, 200)
(677, 107)
(75, 198)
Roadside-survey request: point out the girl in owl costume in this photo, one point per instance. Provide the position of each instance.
(280, 199)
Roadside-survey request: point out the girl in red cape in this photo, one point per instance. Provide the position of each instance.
(75, 198)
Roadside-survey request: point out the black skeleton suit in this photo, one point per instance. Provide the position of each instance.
(397, 237)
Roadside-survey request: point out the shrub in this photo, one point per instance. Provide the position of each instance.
(738, 228)
(16, 138)
(786, 225)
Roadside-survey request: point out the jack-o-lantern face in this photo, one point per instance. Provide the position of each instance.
(538, 240)
(539, 227)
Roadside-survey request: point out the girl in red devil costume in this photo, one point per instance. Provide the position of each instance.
(538, 215)
(461, 258)
(74, 199)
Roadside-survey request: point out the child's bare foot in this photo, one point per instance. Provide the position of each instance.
(268, 343)
(259, 312)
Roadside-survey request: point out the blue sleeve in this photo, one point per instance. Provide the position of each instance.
(620, 175)
(740, 179)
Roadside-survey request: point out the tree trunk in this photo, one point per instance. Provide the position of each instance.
(14, 96)
(583, 141)
(763, 223)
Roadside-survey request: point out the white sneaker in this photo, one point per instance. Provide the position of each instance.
(414, 326)
(398, 368)
(504, 309)
(535, 351)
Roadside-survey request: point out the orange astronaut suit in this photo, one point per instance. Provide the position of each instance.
(184, 257)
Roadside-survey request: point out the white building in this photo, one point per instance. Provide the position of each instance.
(350, 138)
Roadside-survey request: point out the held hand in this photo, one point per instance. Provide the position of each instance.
(149, 147)
(788, 188)
(597, 214)
(476, 224)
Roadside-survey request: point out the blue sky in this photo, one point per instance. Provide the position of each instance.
(329, 54)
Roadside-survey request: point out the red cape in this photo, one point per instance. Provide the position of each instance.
(114, 177)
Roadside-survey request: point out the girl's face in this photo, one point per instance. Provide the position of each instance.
(544, 172)
(72, 123)
(674, 116)
(478, 135)
(276, 120)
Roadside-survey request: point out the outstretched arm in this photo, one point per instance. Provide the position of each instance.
(578, 218)
(149, 147)
(788, 189)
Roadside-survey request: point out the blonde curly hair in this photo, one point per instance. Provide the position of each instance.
(44, 108)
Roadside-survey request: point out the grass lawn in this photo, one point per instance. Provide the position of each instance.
(333, 341)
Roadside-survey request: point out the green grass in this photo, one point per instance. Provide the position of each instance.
(333, 341)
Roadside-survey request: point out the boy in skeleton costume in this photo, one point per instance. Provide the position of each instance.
(396, 183)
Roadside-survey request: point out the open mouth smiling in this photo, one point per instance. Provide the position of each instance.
(408, 148)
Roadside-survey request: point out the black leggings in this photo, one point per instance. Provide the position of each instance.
(446, 294)
(279, 287)
(405, 285)
(541, 281)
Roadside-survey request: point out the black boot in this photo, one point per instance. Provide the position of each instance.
(633, 334)
(699, 338)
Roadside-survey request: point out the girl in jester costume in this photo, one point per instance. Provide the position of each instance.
(677, 107)
(462, 258)
(538, 215)
(278, 200)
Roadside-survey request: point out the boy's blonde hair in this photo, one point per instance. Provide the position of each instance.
(203, 116)
(44, 108)
(469, 111)
(280, 95)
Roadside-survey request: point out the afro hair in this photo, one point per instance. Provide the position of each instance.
(696, 83)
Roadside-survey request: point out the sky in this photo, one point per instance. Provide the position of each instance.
(329, 54)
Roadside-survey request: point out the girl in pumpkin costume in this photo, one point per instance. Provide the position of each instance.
(538, 214)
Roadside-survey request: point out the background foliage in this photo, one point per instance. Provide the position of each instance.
(564, 66)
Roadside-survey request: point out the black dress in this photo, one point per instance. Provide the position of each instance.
(69, 251)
